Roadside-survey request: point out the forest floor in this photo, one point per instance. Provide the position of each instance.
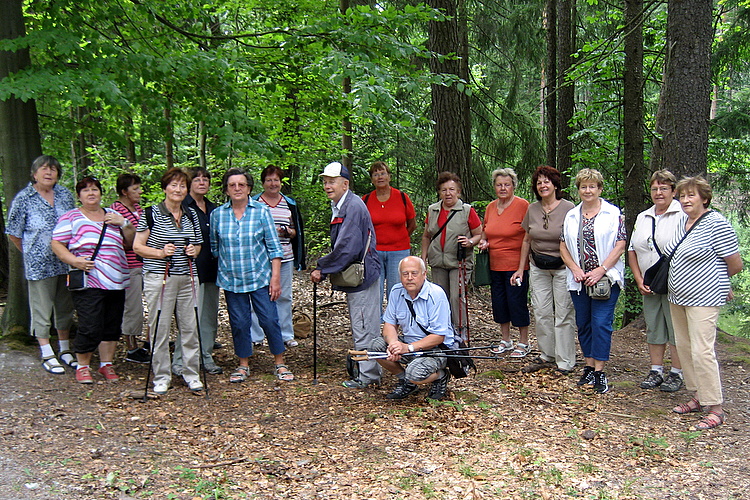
(504, 433)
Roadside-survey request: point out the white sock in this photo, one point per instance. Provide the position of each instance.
(658, 368)
(64, 345)
(104, 363)
(47, 350)
(81, 367)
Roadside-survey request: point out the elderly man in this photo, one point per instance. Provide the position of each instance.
(351, 229)
(422, 310)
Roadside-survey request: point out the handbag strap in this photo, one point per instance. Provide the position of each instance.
(580, 240)
(367, 247)
(99, 244)
(653, 235)
(440, 230)
(688, 232)
(410, 305)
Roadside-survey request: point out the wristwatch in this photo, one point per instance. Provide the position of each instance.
(411, 348)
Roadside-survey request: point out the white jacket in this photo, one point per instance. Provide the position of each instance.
(606, 224)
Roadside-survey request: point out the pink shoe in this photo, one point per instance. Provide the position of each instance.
(83, 376)
(109, 373)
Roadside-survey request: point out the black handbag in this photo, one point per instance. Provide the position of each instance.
(543, 261)
(656, 277)
(77, 278)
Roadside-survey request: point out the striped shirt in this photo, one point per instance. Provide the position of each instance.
(245, 247)
(282, 216)
(164, 231)
(133, 217)
(698, 274)
(81, 235)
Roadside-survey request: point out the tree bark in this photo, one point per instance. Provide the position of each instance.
(634, 196)
(20, 144)
(687, 87)
(450, 104)
(565, 89)
(549, 85)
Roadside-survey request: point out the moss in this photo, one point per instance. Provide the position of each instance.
(496, 374)
(466, 396)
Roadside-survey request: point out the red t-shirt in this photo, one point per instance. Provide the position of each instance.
(389, 218)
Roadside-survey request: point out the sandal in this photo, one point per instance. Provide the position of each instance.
(52, 365)
(503, 346)
(520, 351)
(240, 374)
(689, 407)
(711, 420)
(72, 362)
(286, 375)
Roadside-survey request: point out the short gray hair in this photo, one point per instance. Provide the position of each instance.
(505, 172)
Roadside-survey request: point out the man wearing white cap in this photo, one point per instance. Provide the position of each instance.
(351, 228)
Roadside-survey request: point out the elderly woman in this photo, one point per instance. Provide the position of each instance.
(207, 267)
(450, 224)
(654, 229)
(593, 242)
(245, 240)
(93, 239)
(168, 237)
(31, 219)
(288, 222)
(553, 308)
(128, 188)
(699, 285)
(503, 235)
(393, 216)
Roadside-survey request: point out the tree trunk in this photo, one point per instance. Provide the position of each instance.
(549, 85)
(20, 144)
(634, 195)
(687, 86)
(202, 144)
(450, 105)
(169, 140)
(346, 123)
(565, 88)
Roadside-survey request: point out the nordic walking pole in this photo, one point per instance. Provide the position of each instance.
(315, 333)
(155, 333)
(197, 320)
(462, 295)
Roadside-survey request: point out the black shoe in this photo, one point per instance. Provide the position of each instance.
(601, 384)
(139, 355)
(653, 380)
(218, 345)
(403, 390)
(672, 383)
(439, 388)
(587, 377)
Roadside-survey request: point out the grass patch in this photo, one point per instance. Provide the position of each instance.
(496, 374)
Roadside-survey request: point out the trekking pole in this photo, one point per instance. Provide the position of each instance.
(315, 333)
(202, 365)
(155, 333)
(463, 305)
(370, 355)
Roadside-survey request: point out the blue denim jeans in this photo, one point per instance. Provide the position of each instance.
(594, 320)
(283, 306)
(389, 275)
(240, 318)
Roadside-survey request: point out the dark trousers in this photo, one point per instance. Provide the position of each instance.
(99, 317)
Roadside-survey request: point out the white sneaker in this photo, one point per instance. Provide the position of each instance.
(195, 385)
(161, 388)
(291, 343)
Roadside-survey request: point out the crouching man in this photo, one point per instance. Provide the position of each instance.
(423, 312)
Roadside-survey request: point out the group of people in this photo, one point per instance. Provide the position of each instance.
(180, 252)
(177, 254)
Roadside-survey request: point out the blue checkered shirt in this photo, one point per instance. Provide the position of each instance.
(244, 247)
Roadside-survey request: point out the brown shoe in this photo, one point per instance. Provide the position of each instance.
(108, 372)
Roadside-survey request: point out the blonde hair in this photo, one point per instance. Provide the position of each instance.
(505, 172)
(697, 184)
(589, 175)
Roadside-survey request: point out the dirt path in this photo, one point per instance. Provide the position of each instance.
(505, 434)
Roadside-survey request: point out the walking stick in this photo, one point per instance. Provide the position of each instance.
(453, 353)
(463, 303)
(315, 333)
(202, 365)
(156, 330)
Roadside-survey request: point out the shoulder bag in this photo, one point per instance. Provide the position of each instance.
(354, 274)
(78, 279)
(656, 277)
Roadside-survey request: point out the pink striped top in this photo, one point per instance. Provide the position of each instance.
(80, 235)
(133, 261)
